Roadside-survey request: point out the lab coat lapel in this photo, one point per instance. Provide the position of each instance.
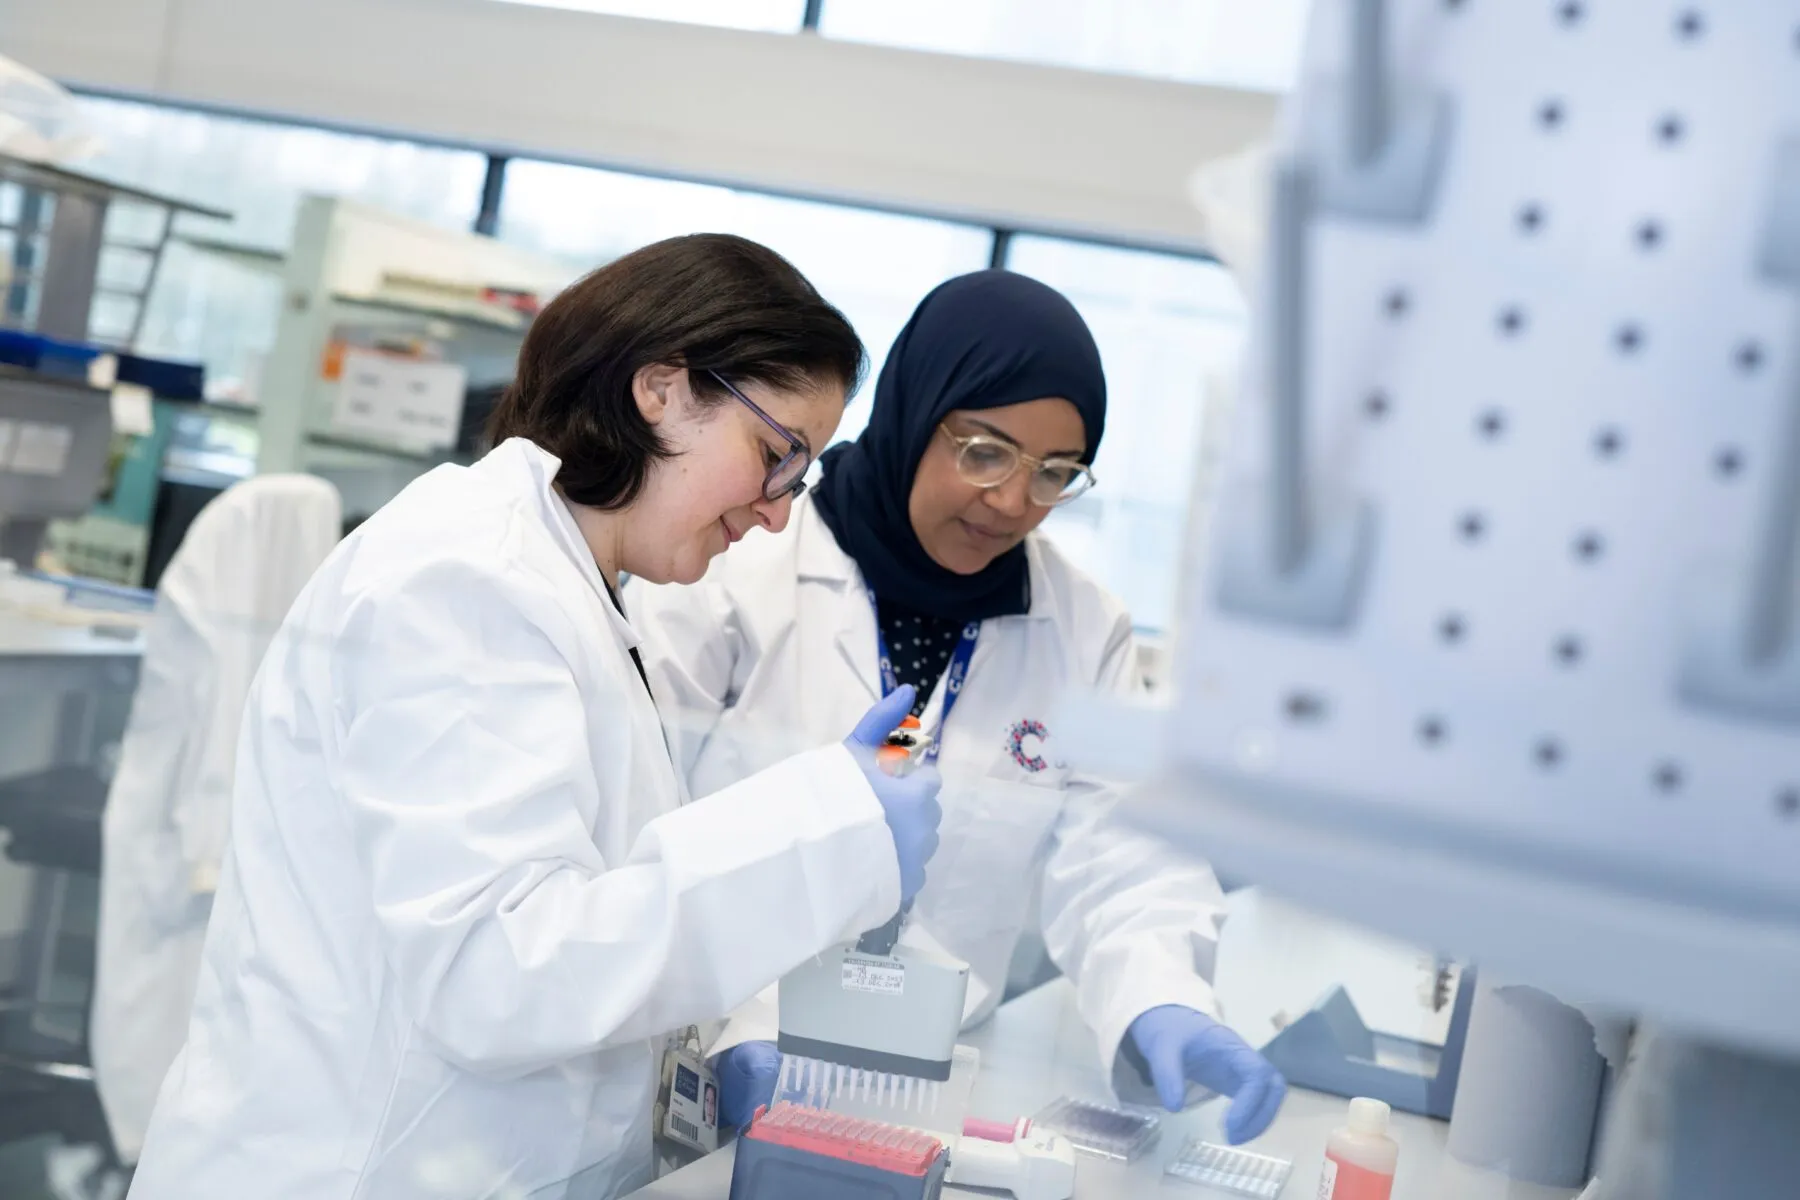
(521, 455)
(822, 561)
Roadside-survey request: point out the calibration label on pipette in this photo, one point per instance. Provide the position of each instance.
(874, 975)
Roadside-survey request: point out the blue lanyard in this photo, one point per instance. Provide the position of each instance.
(953, 677)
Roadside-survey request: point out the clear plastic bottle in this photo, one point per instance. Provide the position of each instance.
(1360, 1157)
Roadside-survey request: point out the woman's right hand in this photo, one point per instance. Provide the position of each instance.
(908, 801)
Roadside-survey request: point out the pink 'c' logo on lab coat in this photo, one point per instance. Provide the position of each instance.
(1015, 744)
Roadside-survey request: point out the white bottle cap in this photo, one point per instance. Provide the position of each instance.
(1368, 1116)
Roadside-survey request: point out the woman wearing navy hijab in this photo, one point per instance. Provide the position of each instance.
(916, 562)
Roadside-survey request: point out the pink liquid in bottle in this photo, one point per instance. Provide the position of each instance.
(1360, 1158)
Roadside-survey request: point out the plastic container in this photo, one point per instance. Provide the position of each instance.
(1100, 1129)
(796, 1153)
(1227, 1169)
(1360, 1157)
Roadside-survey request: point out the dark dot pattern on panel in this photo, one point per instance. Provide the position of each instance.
(1304, 708)
(1648, 234)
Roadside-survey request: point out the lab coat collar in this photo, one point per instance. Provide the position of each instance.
(523, 464)
(822, 559)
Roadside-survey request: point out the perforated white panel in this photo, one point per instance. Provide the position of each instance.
(1560, 394)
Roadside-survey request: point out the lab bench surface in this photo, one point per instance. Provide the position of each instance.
(22, 636)
(1036, 1048)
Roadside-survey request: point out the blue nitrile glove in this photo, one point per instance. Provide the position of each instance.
(908, 801)
(1179, 1044)
(747, 1075)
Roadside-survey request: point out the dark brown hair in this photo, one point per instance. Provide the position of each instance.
(707, 302)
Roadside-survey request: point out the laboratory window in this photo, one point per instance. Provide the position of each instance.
(217, 293)
(1171, 331)
(875, 266)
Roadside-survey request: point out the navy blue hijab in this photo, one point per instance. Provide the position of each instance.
(979, 341)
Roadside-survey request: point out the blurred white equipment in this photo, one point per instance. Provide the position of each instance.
(1036, 1165)
(242, 563)
(1494, 642)
(1232, 194)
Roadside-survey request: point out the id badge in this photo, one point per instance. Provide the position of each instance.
(691, 1111)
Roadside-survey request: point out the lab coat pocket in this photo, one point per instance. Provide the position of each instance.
(996, 831)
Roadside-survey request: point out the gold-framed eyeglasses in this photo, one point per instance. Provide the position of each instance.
(987, 462)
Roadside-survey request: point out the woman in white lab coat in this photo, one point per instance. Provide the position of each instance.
(464, 908)
(915, 562)
(234, 577)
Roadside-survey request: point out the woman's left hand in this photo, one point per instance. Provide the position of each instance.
(747, 1075)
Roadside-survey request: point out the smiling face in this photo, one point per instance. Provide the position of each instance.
(710, 493)
(964, 527)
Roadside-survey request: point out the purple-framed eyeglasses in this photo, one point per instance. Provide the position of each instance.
(786, 477)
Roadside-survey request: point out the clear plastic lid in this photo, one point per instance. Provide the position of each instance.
(1101, 1129)
(1227, 1169)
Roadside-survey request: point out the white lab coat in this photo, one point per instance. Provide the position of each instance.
(464, 902)
(777, 647)
(238, 570)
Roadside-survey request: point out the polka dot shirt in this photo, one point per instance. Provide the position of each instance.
(921, 647)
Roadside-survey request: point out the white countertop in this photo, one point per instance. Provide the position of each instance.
(22, 635)
(1036, 1049)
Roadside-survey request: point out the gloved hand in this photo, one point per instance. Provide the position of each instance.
(909, 801)
(747, 1075)
(1179, 1044)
